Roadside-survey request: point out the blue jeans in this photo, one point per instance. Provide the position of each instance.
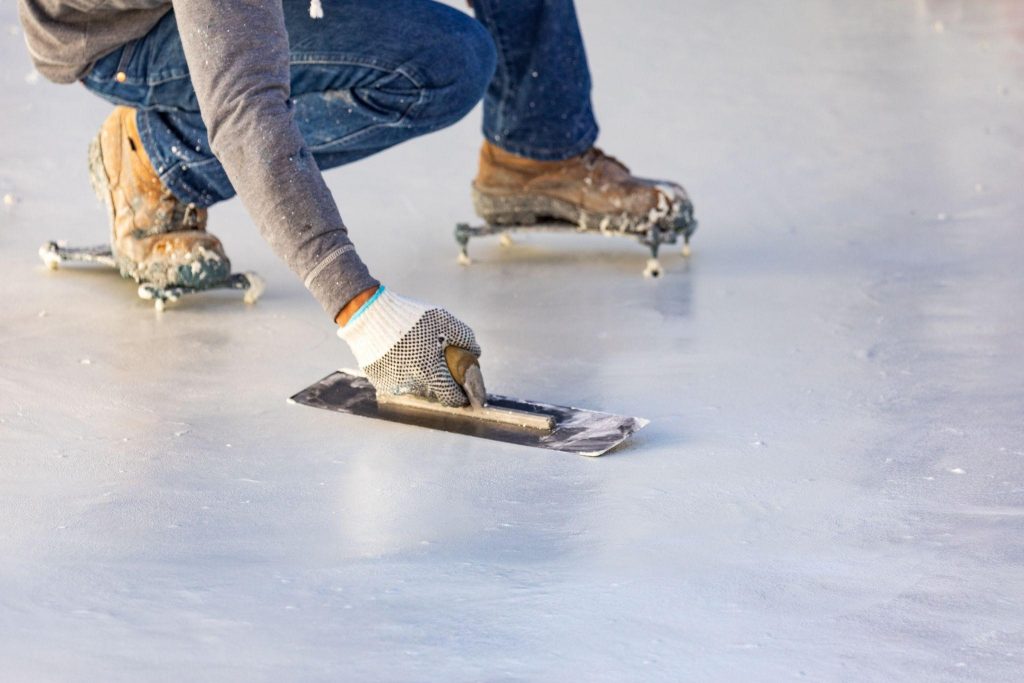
(370, 75)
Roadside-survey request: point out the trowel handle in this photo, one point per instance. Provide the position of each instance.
(465, 368)
(459, 360)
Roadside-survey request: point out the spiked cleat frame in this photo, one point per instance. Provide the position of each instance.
(653, 237)
(54, 254)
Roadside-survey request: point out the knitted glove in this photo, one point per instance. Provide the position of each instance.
(399, 343)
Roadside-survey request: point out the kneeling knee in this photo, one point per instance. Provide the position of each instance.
(464, 69)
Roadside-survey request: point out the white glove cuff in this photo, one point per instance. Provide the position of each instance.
(380, 324)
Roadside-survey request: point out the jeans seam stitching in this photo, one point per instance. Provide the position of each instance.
(502, 48)
(327, 58)
(413, 77)
(126, 57)
(161, 80)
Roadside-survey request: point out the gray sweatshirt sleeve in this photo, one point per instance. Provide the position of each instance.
(237, 53)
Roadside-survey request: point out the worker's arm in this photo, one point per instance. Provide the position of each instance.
(237, 53)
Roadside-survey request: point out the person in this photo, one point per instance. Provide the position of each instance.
(256, 97)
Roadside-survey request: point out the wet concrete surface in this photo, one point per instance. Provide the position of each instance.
(832, 485)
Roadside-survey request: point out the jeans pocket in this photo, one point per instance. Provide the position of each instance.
(123, 72)
(111, 77)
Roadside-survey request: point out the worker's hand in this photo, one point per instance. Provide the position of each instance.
(401, 345)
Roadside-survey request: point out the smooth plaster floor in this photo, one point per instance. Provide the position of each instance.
(832, 486)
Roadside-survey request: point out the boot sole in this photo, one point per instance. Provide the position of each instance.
(498, 209)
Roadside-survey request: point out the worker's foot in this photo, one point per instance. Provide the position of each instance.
(593, 190)
(155, 237)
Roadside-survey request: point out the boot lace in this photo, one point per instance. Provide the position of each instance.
(594, 157)
(190, 216)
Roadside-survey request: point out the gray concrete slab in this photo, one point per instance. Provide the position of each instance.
(831, 486)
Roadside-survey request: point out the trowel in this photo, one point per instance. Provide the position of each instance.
(489, 416)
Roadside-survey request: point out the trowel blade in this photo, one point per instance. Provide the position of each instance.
(583, 432)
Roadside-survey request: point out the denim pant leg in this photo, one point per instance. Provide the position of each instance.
(151, 75)
(370, 74)
(538, 104)
(365, 77)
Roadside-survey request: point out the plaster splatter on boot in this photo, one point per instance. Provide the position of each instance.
(155, 238)
(172, 262)
(594, 191)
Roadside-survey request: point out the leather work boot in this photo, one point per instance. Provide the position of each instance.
(155, 237)
(593, 190)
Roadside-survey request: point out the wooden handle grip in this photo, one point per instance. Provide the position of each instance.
(459, 360)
